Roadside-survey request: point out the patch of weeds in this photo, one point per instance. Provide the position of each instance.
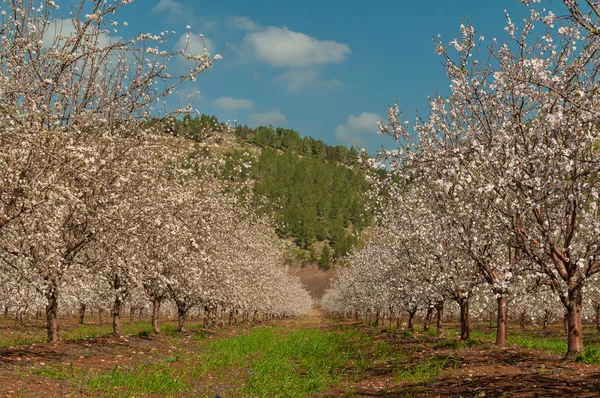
(590, 354)
(406, 334)
(384, 351)
(425, 372)
(142, 329)
(169, 329)
(7, 341)
(67, 372)
(279, 362)
(553, 346)
(148, 379)
(145, 333)
(449, 345)
(457, 344)
(84, 331)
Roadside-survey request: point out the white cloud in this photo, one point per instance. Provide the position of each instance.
(297, 79)
(282, 47)
(194, 43)
(357, 128)
(168, 6)
(272, 116)
(243, 23)
(230, 104)
(64, 28)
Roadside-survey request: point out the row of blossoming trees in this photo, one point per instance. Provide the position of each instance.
(494, 196)
(97, 207)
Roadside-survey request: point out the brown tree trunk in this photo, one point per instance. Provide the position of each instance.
(82, 308)
(155, 312)
(464, 319)
(439, 307)
(411, 315)
(575, 335)
(116, 317)
(566, 323)
(598, 318)
(399, 318)
(100, 312)
(501, 322)
(131, 314)
(522, 320)
(427, 319)
(181, 317)
(52, 319)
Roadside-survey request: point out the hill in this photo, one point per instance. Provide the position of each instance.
(315, 191)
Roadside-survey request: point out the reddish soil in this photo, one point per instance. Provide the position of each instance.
(482, 370)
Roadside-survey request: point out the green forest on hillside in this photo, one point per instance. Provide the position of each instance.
(314, 190)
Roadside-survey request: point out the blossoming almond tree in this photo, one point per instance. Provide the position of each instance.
(524, 122)
(69, 90)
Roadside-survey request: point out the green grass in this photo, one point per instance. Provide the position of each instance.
(149, 379)
(455, 344)
(279, 363)
(63, 372)
(556, 345)
(425, 372)
(12, 341)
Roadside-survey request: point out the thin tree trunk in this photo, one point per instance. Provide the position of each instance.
(181, 317)
(116, 317)
(411, 315)
(464, 319)
(82, 308)
(598, 318)
(501, 322)
(575, 335)
(399, 318)
(427, 318)
(52, 319)
(155, 312)
(522, 320)
(100, 312)
(439, 317)
(131, 314)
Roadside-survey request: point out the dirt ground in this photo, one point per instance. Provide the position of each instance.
(478, 371)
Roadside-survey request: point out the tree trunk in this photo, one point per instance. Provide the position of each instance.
(522, 320)
(566, 323)
(411, 315)
(598, 318)
(82, 308)
(501, 322)
(52, 318)
(464, 319)
(427, 318)
(575, 335)
(155, 312)
(131, 314)
(181, 317)
(439, 307)
(100, 312)
(399, 318)
(116, 317)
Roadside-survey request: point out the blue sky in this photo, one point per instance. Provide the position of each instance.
(324, 68)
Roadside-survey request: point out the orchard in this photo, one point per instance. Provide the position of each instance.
(497, 189)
